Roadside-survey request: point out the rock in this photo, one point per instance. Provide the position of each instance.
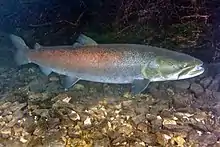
(119, 140)
(166, 113)
(142, 109)
(156, 124)
(207, 139)
(216, 109)
(16, 116)
(104, 142)
(35, 141)
(217, 144)
(216, 96)
(53, 87)
(41, 112)
(206, 81)
(74, 116)
(178, 140)
(5, 131)
(194, 135)
(17, 130)
(38, 85)
(181, 85)
(23, 140)
(5, 105)
(16, 106)
(9, 118)
(53, 78)
(78, 87)
(150, 117)
(53, 122)
(39, 131)
(36, 98)
(29, 124)
(169, 122)
(158, 107)
(149, 139)
(162, 138)
(143, 127)
(160, 94)
(127, 104)
(181, 100)
(126, 129)
(214, 86)
(217, 77)
(139, 118)
(87, 122)
(197, 89)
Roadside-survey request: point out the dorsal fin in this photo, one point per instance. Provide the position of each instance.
(84, 40)
(37, 46)
(76, 44)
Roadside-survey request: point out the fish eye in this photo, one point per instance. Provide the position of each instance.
(185, 65)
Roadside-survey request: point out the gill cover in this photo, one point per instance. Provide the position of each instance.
(163, 68)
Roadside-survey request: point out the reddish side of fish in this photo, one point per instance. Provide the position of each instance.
(78, 59)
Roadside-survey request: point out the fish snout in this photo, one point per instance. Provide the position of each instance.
(192, 71)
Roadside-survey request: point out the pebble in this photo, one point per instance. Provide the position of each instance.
(6, 131)
(23, 140)
(169, 122)
(74, 116)
(129, 120)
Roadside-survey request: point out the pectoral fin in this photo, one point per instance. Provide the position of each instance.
(139, 85)
(70, 81)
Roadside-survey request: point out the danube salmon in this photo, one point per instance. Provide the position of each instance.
(109, 63)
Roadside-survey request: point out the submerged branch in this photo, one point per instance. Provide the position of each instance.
(61, 21)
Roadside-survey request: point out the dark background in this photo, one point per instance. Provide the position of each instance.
(55, 22)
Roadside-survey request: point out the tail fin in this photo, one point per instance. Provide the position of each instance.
(22, 49)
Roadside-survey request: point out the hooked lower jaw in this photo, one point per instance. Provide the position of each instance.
(191, 72)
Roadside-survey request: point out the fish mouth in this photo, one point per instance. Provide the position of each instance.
(191, 72)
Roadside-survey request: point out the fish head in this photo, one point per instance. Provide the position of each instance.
(178, 68)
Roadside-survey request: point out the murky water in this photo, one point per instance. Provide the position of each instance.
(36, 111)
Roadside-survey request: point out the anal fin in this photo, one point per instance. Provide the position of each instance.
(45, 70)
(139, 85)
(70, 81)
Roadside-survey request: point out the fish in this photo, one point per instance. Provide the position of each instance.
(134, 64)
